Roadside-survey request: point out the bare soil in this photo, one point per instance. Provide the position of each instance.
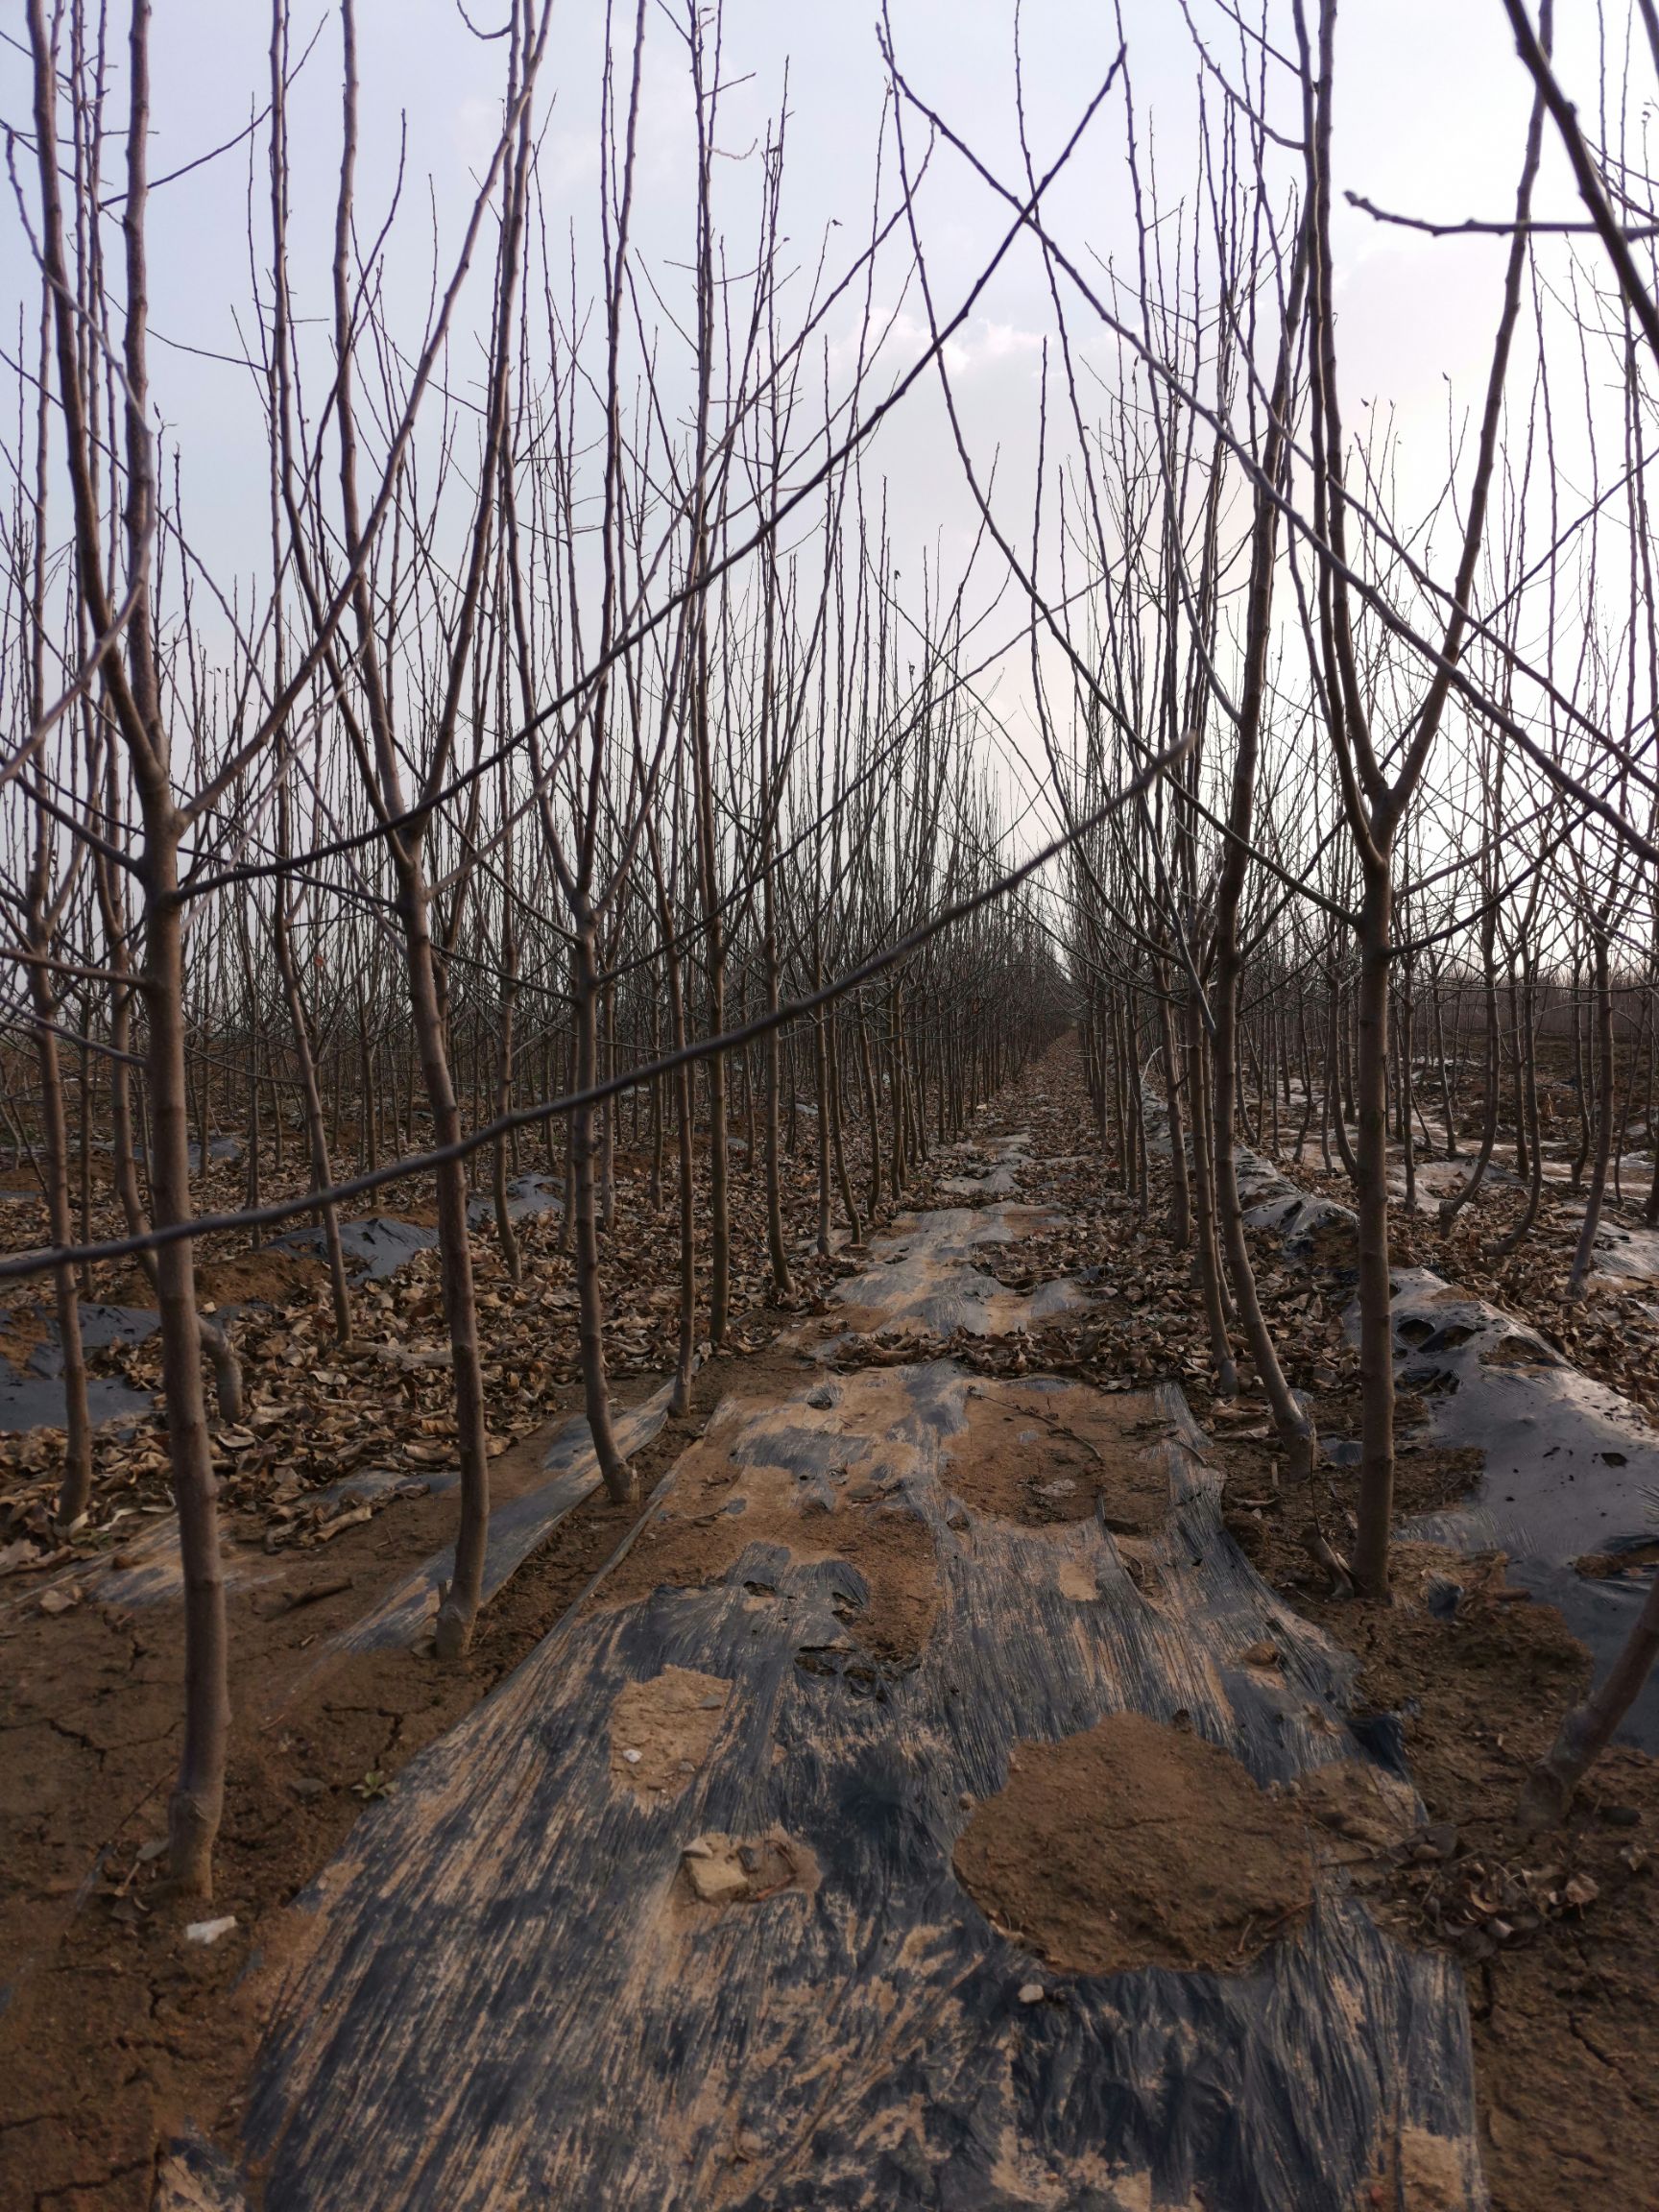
(1560, 1933)
(263, 1276)
(117, 2030)
(23, 1331)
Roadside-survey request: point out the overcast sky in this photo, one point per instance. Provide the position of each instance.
(1432, 107)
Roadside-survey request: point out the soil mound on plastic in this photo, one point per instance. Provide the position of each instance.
(267, 1276)
(1040, 1455)
(662, 1729)
(1133, 1845)
(729, 1497)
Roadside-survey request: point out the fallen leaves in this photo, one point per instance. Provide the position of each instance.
(1480, 1904)
(318, 1412)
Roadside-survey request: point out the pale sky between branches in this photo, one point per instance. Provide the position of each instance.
(1431, 104)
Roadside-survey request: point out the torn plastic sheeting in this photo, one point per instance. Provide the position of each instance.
(32, 1396)
(922, 1275)
(152, 1573)
(379, 1246)
(33, 1401)
(528, 1198)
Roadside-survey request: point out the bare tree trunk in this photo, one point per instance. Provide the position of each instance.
(1300, 1146)
(686, 1359)
(1403, 1055)
(620, 1481)
(75, 1490)
(1535, 1184)
(821, 1091)
(1333, 1089)
(719, 1157)
(44, 913)
(1371, 1205)
(1605, 1104)
(1295, 1427)
(321, 1175)
(873, 1112)
(844, 1181)
(199, 1793)
(1207, 1258)
(1588, 1729)
(1180, 1189)
(783, 1286)
(505, 1232)
(133, 691)
(458, 1613)
(1446, 1103)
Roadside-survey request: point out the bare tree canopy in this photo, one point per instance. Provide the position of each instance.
(719, 833)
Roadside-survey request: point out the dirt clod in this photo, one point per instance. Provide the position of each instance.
(745, 1870)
